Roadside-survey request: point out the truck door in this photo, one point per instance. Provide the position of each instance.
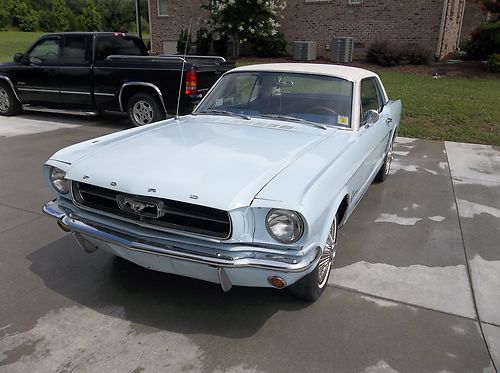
(36, 81)
(75, 73)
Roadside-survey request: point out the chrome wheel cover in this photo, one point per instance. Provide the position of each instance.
(388, 159)
(142, 112)
(4, 101)
(326, 259)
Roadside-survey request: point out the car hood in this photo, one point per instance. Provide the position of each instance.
(216, 161)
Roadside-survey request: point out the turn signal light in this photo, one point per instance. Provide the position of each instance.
(277, 282)
(191, 81)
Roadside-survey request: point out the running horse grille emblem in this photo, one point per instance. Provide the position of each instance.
(141, 207)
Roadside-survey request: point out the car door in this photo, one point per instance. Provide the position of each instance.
(75, 72)
(372, 138)
(36, 80)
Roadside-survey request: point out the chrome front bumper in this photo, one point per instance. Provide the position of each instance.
(224, 259)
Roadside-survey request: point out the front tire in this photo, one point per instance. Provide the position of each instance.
(143, 108)
(386, 166)
(311, 286)
(9, 105)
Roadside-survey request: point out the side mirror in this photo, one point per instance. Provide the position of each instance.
(19, 57)
(370, 117)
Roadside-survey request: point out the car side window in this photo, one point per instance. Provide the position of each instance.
(370, 97)
(45, 52)
(76, 50)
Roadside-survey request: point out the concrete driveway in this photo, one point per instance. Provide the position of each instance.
(415, 286)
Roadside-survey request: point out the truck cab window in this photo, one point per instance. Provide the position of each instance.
(45, 52)
(76, 50)
(118, 45)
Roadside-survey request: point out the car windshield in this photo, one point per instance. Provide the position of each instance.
(285, 96)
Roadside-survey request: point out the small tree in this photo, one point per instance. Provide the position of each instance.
(22, 15)
(244, 20)
(91, 18)
(56, 18)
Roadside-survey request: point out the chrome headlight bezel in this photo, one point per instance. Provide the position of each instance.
(58, 180)
(295, 220)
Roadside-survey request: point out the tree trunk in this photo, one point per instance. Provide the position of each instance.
(236, 44)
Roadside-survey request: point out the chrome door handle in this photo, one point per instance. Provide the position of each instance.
(388, 120)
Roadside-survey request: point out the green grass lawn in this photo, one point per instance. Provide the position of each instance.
(448, 108)
(13, 41)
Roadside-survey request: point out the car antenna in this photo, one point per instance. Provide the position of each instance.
(182, 71)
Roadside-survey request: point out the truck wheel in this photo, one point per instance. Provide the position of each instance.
(9, 105)
(311, 286)
(144, 108)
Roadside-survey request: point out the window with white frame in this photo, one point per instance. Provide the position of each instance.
(162, 7)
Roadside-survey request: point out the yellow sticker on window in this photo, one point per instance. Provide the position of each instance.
(343, 120)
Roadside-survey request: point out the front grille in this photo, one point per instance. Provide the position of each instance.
(155, 211)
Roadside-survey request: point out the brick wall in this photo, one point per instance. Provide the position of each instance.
(401, 22)
(168, 28)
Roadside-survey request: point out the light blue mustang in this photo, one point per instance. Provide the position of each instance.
(248, 190)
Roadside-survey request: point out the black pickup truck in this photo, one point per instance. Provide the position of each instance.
(88, 73)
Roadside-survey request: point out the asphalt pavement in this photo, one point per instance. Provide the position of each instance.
(415, 286)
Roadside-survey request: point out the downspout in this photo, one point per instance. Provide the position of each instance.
(441, 29)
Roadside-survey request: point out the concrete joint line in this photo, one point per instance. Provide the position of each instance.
(467, 266)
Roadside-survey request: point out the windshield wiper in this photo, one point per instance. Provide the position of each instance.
(294, 119)
(223, 112)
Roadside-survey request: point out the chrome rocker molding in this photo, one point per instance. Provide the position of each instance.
(220, 260)
(7, 79)
(144, 84)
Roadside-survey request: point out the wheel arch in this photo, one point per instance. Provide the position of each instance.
(128, 89)
(339, 208)
(9, 82)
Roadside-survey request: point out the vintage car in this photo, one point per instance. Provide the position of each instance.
(248, 190)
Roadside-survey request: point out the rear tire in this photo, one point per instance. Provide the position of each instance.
(143, 108)
(9, 105)
(311, 286)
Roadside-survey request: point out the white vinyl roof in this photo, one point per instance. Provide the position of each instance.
(340, 71)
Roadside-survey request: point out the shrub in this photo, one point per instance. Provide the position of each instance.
(272, 46)
(181, 42)
(494, 63)
(484, 41)
(22, 15)
(385, 54)
(220, 45)
(203, 41)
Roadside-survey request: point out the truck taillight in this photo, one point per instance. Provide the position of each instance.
(191, 82)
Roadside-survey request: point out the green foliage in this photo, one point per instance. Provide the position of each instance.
(385, 54)
(90, 20)
(484, 41)
(4, 16)
(494, 63)
(22, 15)
(57, 18)
(220, 45)
(203, 41)
(181, 42)
(273, 46)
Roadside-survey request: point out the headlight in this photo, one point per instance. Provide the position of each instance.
(285, 226)
(57, 178)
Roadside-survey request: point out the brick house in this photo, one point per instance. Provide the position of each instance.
(432, 24)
